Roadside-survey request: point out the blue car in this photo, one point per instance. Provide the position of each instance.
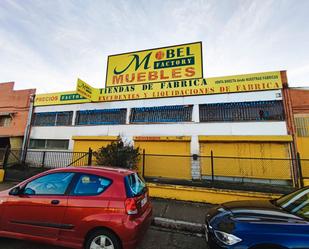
(274, 224)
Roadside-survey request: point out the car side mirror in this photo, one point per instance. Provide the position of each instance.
(15, 191)
(28, 191)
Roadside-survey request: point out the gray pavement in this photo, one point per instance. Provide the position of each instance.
(7, 185)
(159, 239)
(154, 239)
(180, 210)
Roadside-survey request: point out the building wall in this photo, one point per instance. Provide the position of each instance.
(17, 103)
(300, 109)
(300, 100)
(193, 128)
(184, 169)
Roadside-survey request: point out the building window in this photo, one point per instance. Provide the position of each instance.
(5, 121)
(242, 111)
(49, 144)
(302, 126)
(101, 117)
(52, 118)
(162, 114)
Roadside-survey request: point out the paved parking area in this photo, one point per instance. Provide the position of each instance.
(154, 239)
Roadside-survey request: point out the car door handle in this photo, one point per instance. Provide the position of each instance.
(55, 202)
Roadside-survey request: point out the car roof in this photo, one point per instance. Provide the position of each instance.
(111, 171)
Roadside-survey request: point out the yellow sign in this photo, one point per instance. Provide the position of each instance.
(60, 98)
(162, 64)
(169, 138)
(84, 89)
(178, 88)
(218, 85)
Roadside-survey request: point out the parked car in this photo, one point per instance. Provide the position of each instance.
(78, 207)
(273, 224)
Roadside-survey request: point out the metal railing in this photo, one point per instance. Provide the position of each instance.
(264, 174)
(56, 159)
(18, 167)
(261, 174)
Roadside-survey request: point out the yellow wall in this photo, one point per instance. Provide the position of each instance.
(83, 143)
(166, 166)
(1, 175)
(252, 168)
(306, 182)
(16, 142)
(303, 149)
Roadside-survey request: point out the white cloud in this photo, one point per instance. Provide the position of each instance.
(48, 44)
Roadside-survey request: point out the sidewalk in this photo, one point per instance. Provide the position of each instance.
(180, 210)
(7, 185)
(180, 215)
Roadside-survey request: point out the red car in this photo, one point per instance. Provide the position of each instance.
(86, 207)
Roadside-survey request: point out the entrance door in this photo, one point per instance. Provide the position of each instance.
(168, 159)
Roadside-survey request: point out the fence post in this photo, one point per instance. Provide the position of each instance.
(144, 163)
(89, 157)
(43, 159)
(6, 157)
(298, 161)
(212, 166)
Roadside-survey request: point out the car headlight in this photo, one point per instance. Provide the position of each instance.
(226, 238)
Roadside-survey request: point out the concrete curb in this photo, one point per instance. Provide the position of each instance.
(204, 195)
(178, 225)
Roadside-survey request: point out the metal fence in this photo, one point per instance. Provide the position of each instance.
(19, 165)
(264, 174)
(276, 171)
(56, 159)
(256, 174)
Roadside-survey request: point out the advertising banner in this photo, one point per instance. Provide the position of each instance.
(155, 65)
(85, 90)
(60, 98)
(218, 85)
(179, 88)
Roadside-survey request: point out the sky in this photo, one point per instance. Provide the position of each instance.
(48, 44)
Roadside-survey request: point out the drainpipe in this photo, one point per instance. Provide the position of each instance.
(27, 130)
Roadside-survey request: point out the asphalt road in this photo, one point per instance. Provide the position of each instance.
(154, 239)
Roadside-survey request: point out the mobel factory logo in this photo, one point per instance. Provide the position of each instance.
(162, 64)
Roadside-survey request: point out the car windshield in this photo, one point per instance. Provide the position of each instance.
(296, 203)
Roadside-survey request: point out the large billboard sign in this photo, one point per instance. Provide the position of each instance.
(179, 62)
(174, 71)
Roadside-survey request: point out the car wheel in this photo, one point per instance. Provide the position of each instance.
(103, 239)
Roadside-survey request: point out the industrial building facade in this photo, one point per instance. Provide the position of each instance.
(236, 128)
(246, 124)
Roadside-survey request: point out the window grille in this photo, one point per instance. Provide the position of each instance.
(101, 117)
(302, 126)
(242, 111)
(52, 118)
(161, 114)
